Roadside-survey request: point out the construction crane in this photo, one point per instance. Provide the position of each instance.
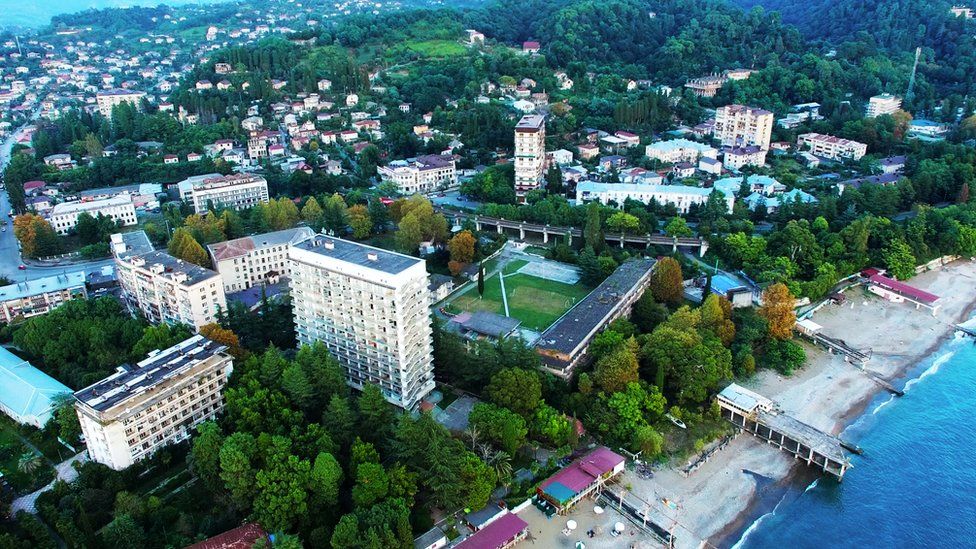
(911, 81)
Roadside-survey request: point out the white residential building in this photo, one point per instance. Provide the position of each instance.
(530, 154)
(734, 158)
(371, 309)
(882, 104)
(141, 408)
(40, 295)
(741, 126)
(110, 98)
(422, 174)
(236, 191)
(166, 289)
(253, 260)
(679, 150)
(64, 216)
(681, 196)
(828, 146)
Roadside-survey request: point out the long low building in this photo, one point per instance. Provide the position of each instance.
(253, 260)
(64, 216)
(829, 146)
(27, 395)
(564, 345)
(37, 297)
(421, 174)
(681, 196)
(156, 402)
(679, 150)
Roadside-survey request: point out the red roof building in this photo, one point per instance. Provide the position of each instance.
(504, 532)
(892, 289)
(242, 537)
(580, 478)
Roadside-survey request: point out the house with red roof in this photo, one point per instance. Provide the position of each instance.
(899, 292)
(502, 533)
(242, 537)
(581, 478)
(530, 47)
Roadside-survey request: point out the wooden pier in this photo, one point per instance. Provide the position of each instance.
(758, 415)
(968, 331)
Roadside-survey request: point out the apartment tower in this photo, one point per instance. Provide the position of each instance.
(530, 154)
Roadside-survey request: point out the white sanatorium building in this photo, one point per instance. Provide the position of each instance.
(679, 150)
(828, 146)
(166, 289)
(681, 196)
(253, 260)
(235, 191)
(371, 309)
(422, 174)
(64, 216)
(530, 153)
(882, 104)
(110, 98)
(157, 402)
(741, 126)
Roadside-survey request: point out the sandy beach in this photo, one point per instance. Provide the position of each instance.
(739, 482)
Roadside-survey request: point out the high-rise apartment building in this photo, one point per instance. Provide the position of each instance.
(882, 104)
(370, 307)
(742, 126)
(154, 403)
(253, 260)
(530, 154)
(110, 98)
(236, 191)
(166, 289)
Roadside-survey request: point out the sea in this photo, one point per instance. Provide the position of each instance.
(37, 13)
(915, 484)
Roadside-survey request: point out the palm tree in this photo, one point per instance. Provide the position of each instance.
(502, 463)
(473, 435)
(29, 462)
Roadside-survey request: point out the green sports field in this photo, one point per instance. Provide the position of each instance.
(537, 302)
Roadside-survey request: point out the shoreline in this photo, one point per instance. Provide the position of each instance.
(903, 367)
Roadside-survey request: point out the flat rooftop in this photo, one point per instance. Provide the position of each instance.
(172, 266)
(89, 205)
(574, 327)
(811, 437)
(40, 286)
(135, 242)
(242, 246)
(358, 254)
(132, 380)
(531, 122)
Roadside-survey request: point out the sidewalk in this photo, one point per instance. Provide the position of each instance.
(66, 472)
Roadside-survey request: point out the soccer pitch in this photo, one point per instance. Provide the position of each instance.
(536, 302)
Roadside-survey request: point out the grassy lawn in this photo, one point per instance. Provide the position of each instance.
(537, 250)
(435, 48)
(537, 302)
(514, 266)
(11, 450)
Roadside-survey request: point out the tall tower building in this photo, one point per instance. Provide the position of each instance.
(371, 308)
(530, 154)
(742, 126)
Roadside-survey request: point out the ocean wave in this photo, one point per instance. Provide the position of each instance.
(933, 369)
(752, 527)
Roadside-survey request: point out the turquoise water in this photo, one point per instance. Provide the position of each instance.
(915, 485)
(37, 13)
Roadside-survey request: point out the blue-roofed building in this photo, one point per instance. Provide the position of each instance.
(27, 394)
(681, 196)
(773, 203)
(38, 296)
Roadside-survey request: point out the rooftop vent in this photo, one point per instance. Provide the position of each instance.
(372, 256)
(329, 244)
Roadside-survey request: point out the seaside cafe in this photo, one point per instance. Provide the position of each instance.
(580, 478)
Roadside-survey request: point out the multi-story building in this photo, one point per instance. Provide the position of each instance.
(741, 126)
(144, 407)
(530, 153)
(236, 191)
(166, 289)
(882, 104)
(110, 98)
(64, 216)
(38, 296)
(828, 146)
(371, 309)
(253, 260)
(681, 196)
(422, 174)
(706, 86)
(734, 158)
(679, 150)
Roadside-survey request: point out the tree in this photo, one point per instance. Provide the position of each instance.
(419, 223)
(667, 281)
(648, 313)
(335, 215)
(36, 236)
(313, 214)
(123, 532)
(461, 248)
(161, 336)
(593, 227)
(481, 281)
(281, 487)
(359, 221)
(516, 389)
(236, 468)
(205, 454)
(677, 227)
(778, 309)
(372, 484)
(899, 259)
(614, 371)
(501, 426)
(375, 414)
(346, 533)
(30, 462)
(621, 222)
(183, 246)
(325, 480)
(224, 336)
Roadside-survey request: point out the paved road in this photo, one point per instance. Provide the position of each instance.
(66, 472)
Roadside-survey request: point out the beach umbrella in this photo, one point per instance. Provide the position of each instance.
(571, 524)
(619, 527)
(580, 545)
(597, 509)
